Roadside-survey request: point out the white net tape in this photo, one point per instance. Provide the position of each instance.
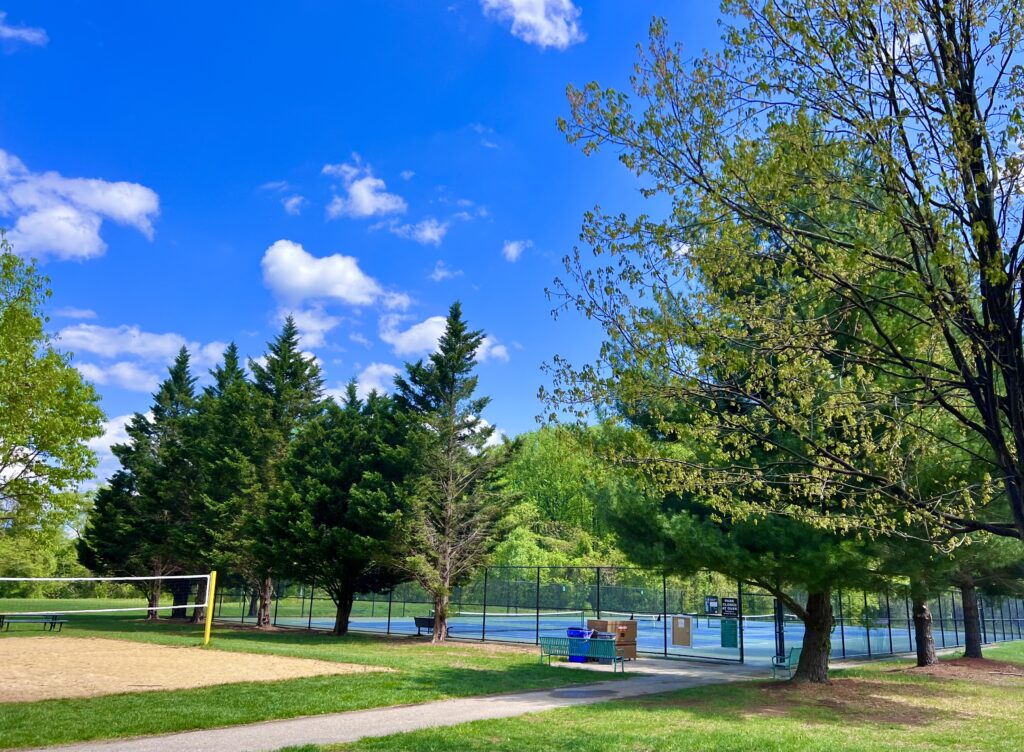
(154, 582)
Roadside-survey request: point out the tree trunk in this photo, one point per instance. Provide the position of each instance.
(972, 619)
(153, 601)
(923, 632)
(343, 600)
(199, 613)
(440, 618)
(266, 594)
(254, 602)
(817, 644)
(179, 593)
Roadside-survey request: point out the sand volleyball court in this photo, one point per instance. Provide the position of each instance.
(43, 668)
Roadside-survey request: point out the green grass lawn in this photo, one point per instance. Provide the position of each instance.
(421, 673)
(878, 708)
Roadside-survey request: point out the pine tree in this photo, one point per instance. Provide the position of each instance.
(289, 389)
(338, 519)
(144, 523)
(454, 510)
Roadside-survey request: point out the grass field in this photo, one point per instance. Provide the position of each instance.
(420, 673)
(878, 708)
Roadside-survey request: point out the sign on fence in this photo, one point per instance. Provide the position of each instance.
(710, 604)
(730, 608)
(682, 631)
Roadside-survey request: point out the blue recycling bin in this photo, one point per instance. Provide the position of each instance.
(580, 634)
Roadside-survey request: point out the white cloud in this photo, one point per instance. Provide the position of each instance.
(491, 349)
(486, 134)
(376, 377)
(26, 34)
(497, 437)
(359, 339)
(427, 232)
(62, 217)
(294, 275)
(293, 204)
(545, 23)
(407, 174)
(441, 272)
(276, 186)
(313, 324)
(126, 375)
(418, 339)
(422, 338)
(365, 194)
(71, 312)
(513, 249)
(115, 342)
(115, 431)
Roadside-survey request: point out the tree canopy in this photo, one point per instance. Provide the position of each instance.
(838, 276)
(48, 413)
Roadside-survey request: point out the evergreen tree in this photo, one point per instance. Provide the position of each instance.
(230, 440)
(145, 521)
(338, 519)
(289, 386)
(455, 509)
(801, 566)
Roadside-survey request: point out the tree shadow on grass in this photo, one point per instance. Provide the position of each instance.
(844, 701)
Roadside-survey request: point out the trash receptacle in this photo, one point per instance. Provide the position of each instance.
(580, 634)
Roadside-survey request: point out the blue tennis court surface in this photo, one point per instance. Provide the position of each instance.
(654, 635)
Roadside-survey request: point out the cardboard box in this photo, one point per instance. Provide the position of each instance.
(625, 629)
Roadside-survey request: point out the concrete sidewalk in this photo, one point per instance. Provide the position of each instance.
(652, 678)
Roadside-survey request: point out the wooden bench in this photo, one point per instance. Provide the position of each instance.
(786, 662)
(602, 650)
(424, 622)
(50, 622)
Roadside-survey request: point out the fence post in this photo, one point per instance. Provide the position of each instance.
(277, 601)
(952, 611)
(842, 625)
(888, 620)
(483, 625)
(664, 612)
(598, 596)
(391, 594)
(779, 614)
(537, 638)
(739, 603)
(910, 626)
(312, 587)
(867, 622)
(981, 618)
(942, 627)
(245, 592)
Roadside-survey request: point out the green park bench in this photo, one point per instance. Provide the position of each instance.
(786, 662)
(602, 650)
(50, 622)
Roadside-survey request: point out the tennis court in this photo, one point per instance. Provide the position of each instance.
(653, 632)
(523, 604)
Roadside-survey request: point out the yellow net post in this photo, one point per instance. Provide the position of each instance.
(211, 590)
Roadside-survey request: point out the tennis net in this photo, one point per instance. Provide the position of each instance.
(475, 621)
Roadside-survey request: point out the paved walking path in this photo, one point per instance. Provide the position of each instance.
(335, 728)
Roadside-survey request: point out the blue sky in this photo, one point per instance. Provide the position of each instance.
(189, 173)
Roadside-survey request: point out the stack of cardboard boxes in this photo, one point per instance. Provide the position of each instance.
(624, 631)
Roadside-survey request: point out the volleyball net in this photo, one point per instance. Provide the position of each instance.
(52, 602)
